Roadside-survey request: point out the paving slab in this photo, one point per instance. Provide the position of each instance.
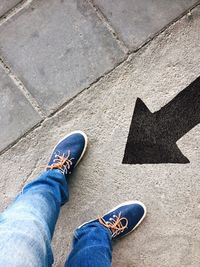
(170, 234)
(58, 48)
(16, 114)
(137, 20)
(6, 5)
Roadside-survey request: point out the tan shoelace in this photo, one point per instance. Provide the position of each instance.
(115, 224)
(62, 163)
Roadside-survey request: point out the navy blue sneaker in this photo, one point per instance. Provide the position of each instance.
(123, 219)
(68, 152)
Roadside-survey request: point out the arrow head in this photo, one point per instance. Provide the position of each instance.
(147, 142)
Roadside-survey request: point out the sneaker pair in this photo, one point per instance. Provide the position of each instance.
(121, 220)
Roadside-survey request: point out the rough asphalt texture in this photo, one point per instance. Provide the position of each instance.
(170, 235)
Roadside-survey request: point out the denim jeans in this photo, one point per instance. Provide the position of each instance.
(27, 226)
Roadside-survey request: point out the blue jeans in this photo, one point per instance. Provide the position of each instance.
(27, 226)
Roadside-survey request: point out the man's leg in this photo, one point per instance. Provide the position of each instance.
(27, 225)
(92, 244)
(92, 247)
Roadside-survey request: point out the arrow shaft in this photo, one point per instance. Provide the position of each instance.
(181, 114)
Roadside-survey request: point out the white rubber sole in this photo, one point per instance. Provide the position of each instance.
(125, 204)
(85, 147)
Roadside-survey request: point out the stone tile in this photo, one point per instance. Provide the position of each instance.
(137, 20)
(16, 114)
(5, 5)
(57, 48)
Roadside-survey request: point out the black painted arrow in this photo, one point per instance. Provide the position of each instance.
(152, 136)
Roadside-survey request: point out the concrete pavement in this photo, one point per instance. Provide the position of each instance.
(85, 77)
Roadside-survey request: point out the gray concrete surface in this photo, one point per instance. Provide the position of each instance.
(170, 235)
(6, 5)
(137, 20)
(58, 48)
(17, 115)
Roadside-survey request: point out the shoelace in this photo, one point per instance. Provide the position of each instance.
(115, 224)
(61, 163)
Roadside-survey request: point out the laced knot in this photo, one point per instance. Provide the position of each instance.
(117, 224)
(61, 162)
